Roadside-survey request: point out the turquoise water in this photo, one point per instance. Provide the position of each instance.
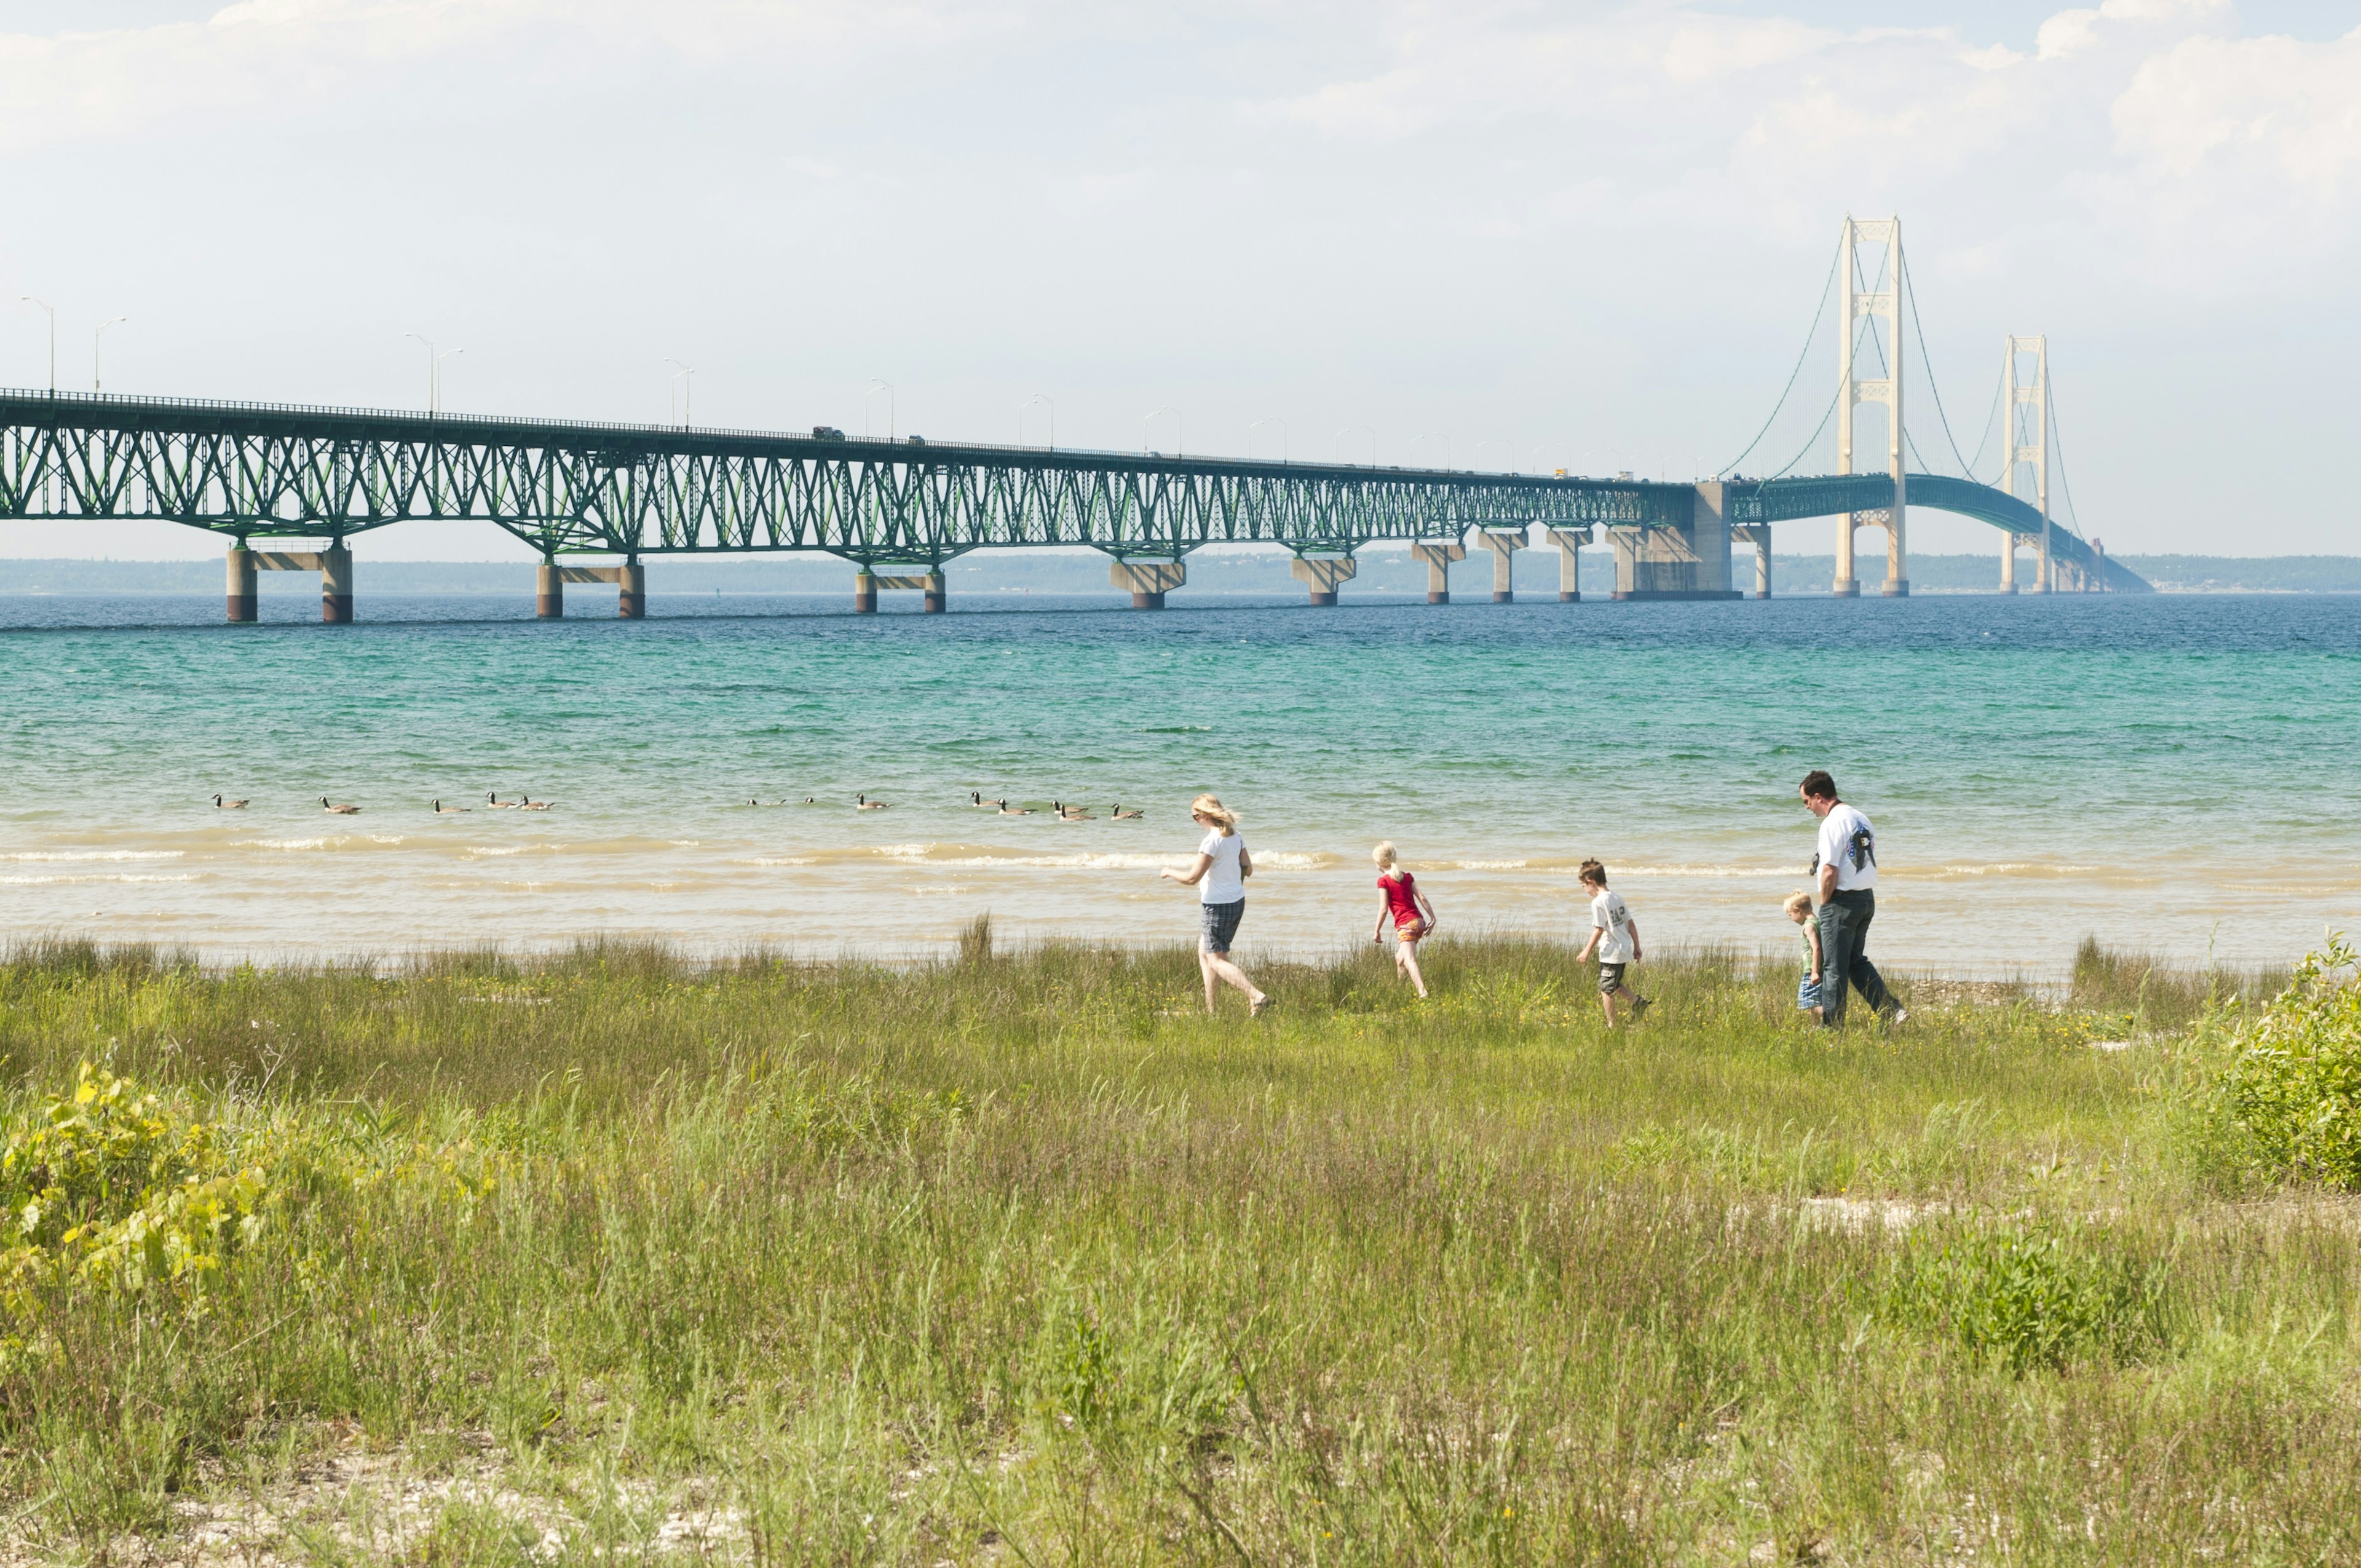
(2176, 774)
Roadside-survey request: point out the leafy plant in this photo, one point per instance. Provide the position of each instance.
(2290, 1097)
(2031, 1295)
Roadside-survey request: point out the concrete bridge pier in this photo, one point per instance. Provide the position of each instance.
(865, 593)
(2007, 561)
(2045, 569)
(631, 591)
(1504, 548)
(1569, 543)
(549, 591)
(1148, 581)
(1847, 586)
(337, 584)
(1438, 555)
(1897, 554)
(1759, 535)
(1322, 574)
(244, 604)
(867, 583)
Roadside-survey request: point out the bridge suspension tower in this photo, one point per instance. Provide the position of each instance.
(1864, 305)
(2026, 403)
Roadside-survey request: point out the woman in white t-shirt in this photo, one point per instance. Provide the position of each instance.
(1220, 877)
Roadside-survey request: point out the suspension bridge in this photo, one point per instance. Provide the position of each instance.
(899, 510)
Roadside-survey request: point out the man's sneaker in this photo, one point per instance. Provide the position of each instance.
(1901, 1016)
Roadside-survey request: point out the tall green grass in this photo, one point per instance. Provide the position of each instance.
(1020, 1257)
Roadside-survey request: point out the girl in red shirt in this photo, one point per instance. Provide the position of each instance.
(1407, 907)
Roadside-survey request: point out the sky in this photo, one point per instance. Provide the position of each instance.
(1520, 235)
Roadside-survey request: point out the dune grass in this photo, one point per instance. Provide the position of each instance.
(1018, 1258)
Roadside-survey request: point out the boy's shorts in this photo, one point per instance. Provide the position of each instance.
(1610, 978)
(1807, 992)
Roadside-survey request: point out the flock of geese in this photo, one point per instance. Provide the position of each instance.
(860, 802)
(1065, 812)
(345, 808)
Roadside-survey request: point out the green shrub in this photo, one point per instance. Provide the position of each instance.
(2290, 1097)
(2031, 1295)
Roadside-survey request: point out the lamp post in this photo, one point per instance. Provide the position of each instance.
(94, 340)
(1435, 435)
(873, 389)
(434, 370)
(1149, 418)
(53, 341)
(1368, 431)
(1038, 398)
(1283, 437)
(684, 380)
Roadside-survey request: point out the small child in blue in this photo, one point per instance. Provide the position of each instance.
(1807, 992)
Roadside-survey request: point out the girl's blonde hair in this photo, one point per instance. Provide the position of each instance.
(1384, 853)
(1210, 808)
(1796, 901)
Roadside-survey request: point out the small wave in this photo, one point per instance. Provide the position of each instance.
(777, 860)
(1180, 729)
(966, 857)
(1482, 865)
(95, 855)
(101, 876)
(284, 843)
(1708, 870)
(385, 838)
(2002, 868)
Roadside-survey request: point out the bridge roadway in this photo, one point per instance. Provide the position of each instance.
(897, 509)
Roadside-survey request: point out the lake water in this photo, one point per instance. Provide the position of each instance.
(2171, 773)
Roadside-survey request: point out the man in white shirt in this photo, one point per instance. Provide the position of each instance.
(1845, 864)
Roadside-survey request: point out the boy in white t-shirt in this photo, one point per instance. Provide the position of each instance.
(1615, 937)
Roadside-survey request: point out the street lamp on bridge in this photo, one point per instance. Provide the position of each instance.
(1367, 431)
(95, 338)
(1283, 437)
(684, 381)
(53, 340)
(1149, 418)
(1038, 398)
(874, 387)
(1434, 436)
(434, 370)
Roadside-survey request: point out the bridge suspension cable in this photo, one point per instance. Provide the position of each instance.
(1809, 338)
(1917, 323)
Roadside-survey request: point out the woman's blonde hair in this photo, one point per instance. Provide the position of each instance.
(1384, 853)
(1210, 808)
(1796, 901)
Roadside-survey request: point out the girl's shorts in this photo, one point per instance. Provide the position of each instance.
(1221, 927)
(1807, 992)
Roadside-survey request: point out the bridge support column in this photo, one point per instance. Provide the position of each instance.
(1148, 581)
(631, 591)
(1322, 574)
(935, 597)
(1438, 555)
(1759, 535)
(1569, 543)
(336, 584)
(2007, 562)
(2045, 571)
(1847, 586)
(244, 601)
(1504, 548)
(865, 593)
(1897, 549)
(549, 591)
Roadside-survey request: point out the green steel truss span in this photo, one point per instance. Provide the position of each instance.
(281, 471)
(266, 471)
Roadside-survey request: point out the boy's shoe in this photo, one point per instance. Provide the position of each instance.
(1901, 1016)
(1639, 1005)
(1258, 1006)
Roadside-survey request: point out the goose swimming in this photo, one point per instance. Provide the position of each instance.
(221, 804)
(339, 810)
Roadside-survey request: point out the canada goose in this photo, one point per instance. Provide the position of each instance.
(494, 797)
(443, 810)
(221, 804)
(865, 804)
(1008, 810)
(975, 798)
(529, 804)
(1069, 813)
(339, 810)
(1120, 815)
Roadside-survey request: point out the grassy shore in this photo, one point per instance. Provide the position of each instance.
(1020, 1259)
